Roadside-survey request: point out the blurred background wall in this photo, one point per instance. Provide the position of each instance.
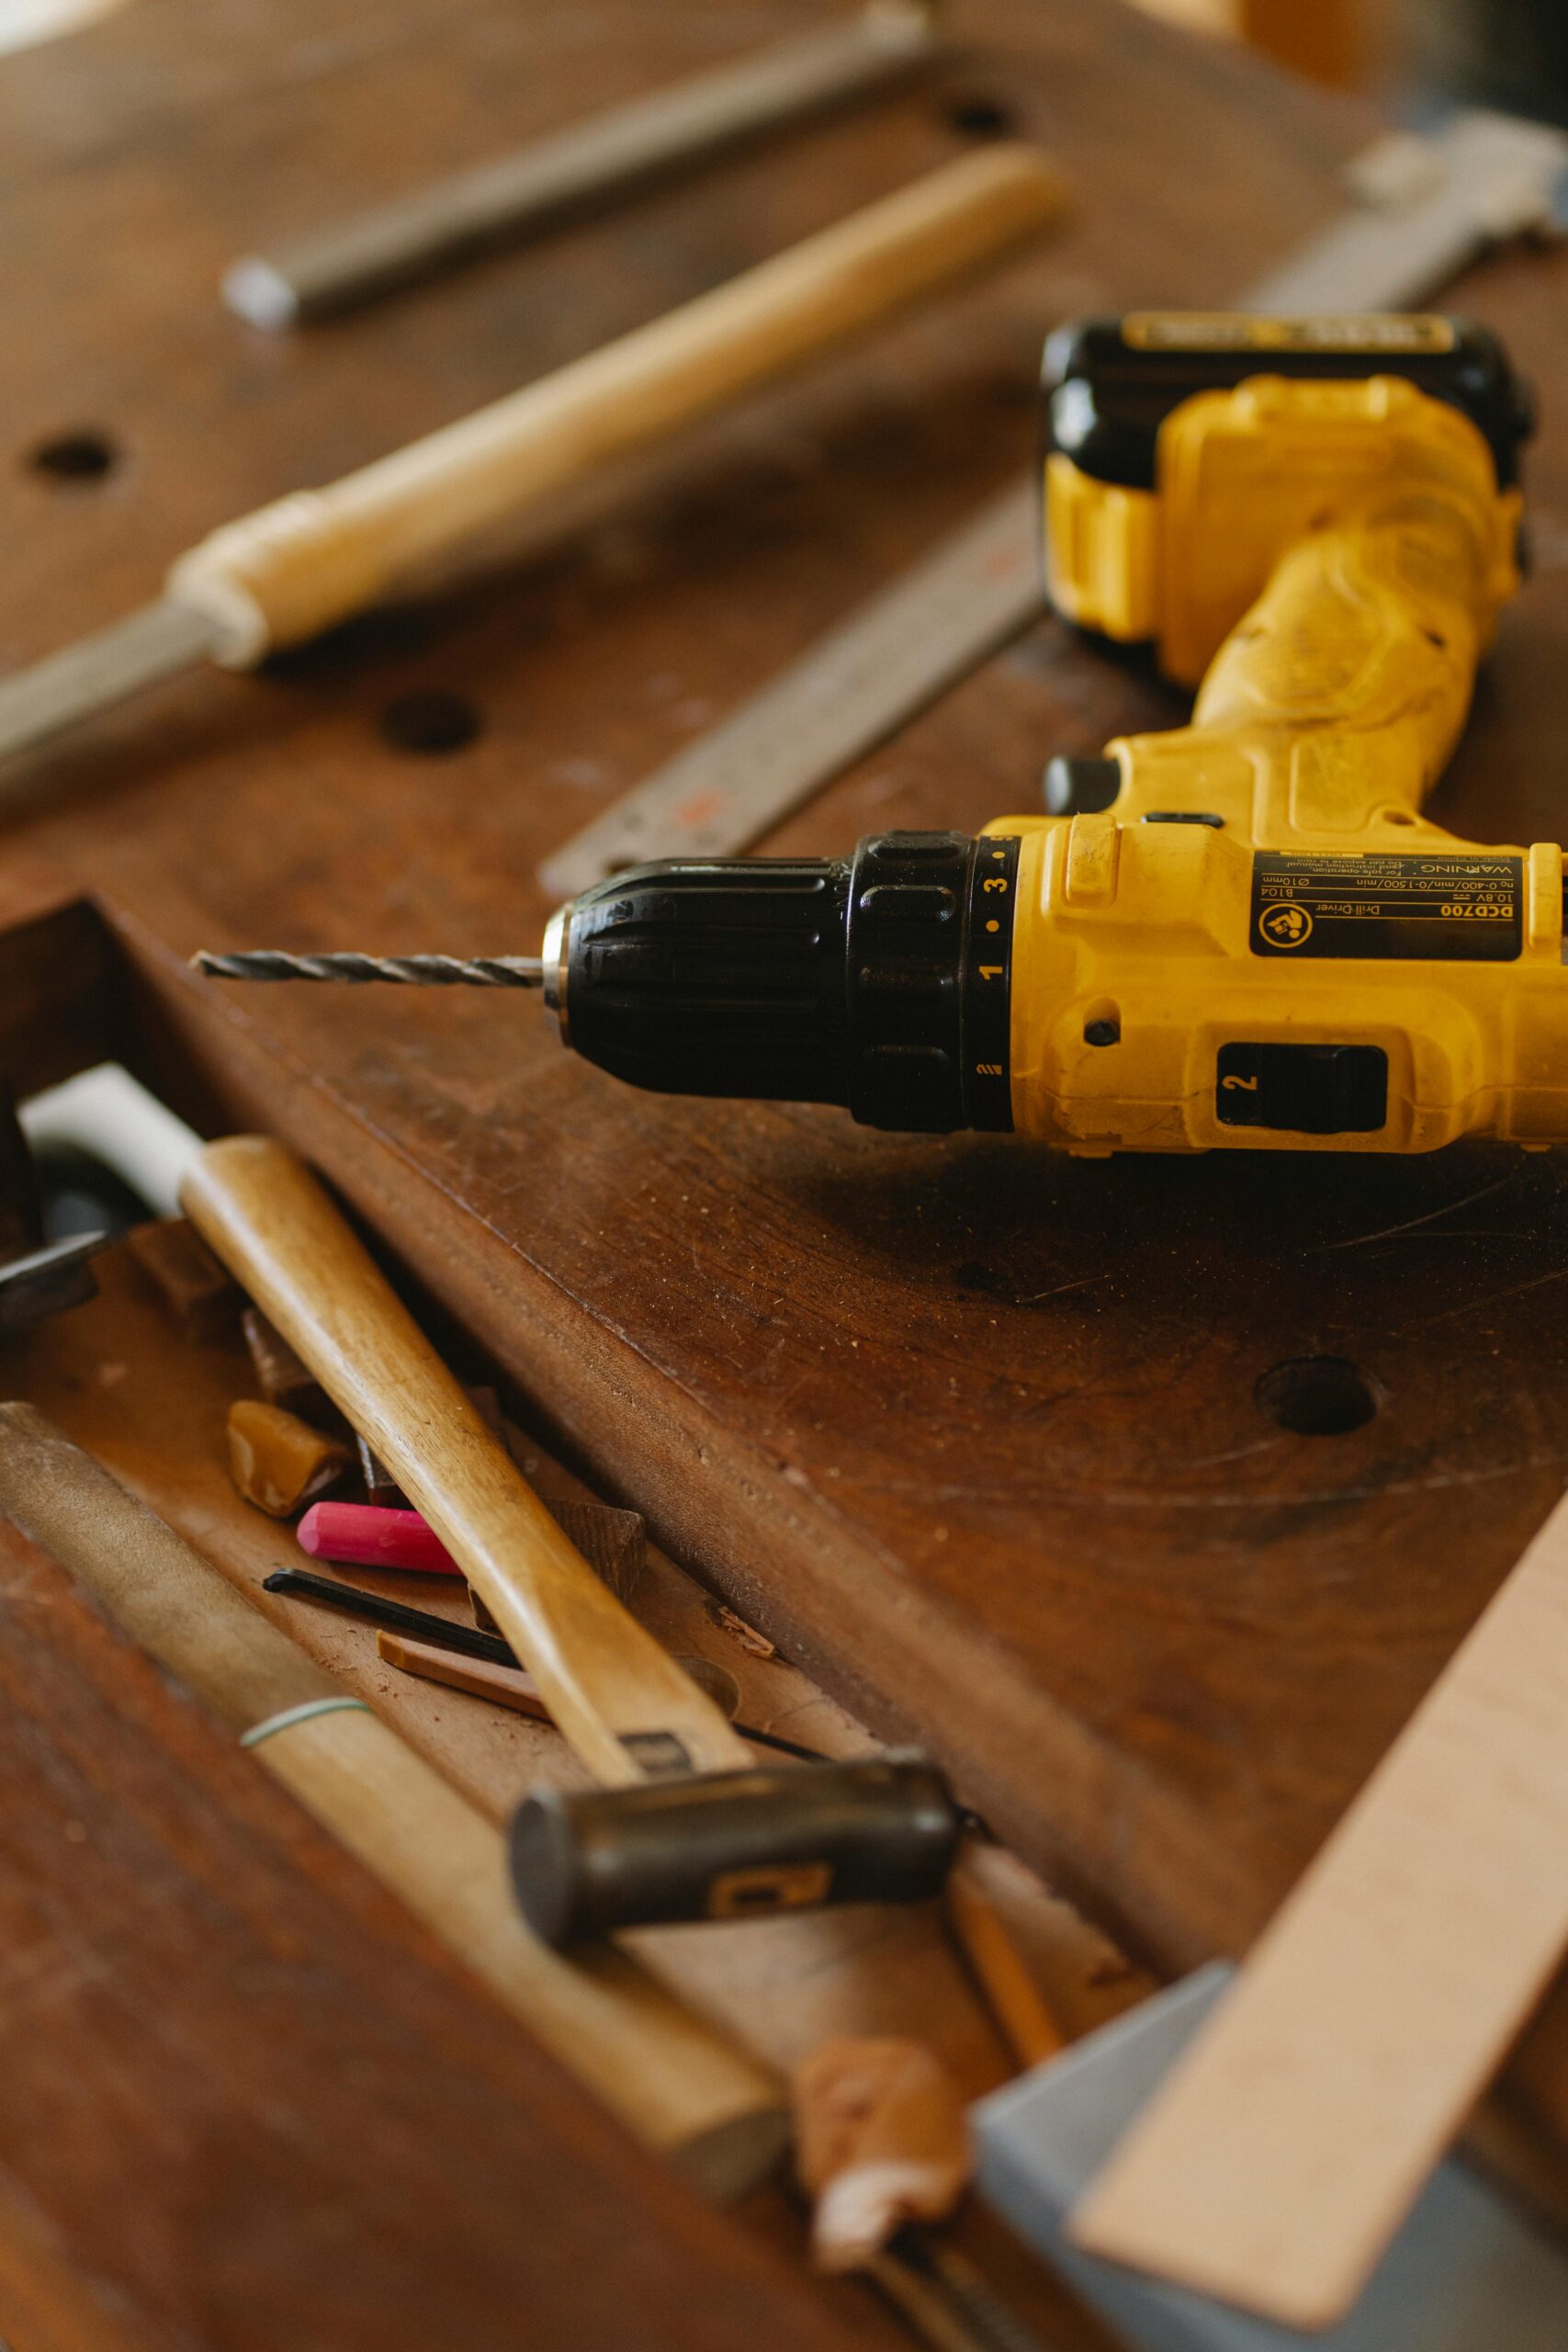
(1510, 53)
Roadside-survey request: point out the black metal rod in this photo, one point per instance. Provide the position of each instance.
(468, 1641)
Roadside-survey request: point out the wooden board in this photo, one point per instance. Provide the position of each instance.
(1269, 2171)
(973, 1433)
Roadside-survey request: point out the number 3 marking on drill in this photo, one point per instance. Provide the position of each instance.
(994, 882)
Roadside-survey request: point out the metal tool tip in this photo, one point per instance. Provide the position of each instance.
(258, 292)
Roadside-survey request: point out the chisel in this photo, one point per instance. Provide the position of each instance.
(310, 560)
(557, 178)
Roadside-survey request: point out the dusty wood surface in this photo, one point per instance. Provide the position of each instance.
(971, 1432)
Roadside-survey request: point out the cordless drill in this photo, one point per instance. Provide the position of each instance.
(1242, 932)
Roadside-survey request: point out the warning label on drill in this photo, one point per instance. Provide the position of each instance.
(1423, 910)
(1354, 332)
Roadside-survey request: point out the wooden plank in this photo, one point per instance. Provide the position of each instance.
(1277, 2162)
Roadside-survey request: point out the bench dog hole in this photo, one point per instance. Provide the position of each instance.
(1318, 1395)
(431, 723)
(83, 455)
(977, 115)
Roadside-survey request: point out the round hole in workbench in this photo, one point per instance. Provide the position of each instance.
(716, 1680)
(83, 455)
(978, 116)
(1318, 1395)
(431, 724)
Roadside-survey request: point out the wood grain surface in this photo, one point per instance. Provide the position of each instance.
(975, 1434)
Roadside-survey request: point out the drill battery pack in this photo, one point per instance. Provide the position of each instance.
(1134, 517)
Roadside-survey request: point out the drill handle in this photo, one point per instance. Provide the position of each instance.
(1357, 664)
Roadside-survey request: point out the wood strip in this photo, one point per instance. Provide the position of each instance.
(1284, 2154)
(1027, 2026)
(507, 1685)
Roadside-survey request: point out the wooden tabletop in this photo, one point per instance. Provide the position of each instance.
(985, 1439)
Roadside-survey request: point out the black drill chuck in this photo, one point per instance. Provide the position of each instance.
(880, 983)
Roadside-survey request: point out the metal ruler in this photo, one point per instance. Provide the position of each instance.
(840, 700)
(1426, 207)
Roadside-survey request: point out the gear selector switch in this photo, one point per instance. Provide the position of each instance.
(1311, 1089)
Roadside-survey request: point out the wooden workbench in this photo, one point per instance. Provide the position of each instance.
(976, 1435)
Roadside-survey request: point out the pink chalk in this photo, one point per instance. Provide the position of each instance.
(373, 1537)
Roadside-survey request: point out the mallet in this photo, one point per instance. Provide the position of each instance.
(684, 1824)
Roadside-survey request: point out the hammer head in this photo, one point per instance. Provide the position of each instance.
(47, 1281)
(732, 1845)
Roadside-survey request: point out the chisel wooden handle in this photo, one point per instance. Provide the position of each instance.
(625, 1707)
(308, 561)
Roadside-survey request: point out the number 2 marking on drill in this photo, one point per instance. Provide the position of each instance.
(1240, 1085)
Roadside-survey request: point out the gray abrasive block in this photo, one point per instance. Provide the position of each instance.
(1466, 2274)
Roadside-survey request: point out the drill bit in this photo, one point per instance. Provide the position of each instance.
(409, 971)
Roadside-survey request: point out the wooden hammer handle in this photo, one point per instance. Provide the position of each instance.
(298, 566)
(605, 1680)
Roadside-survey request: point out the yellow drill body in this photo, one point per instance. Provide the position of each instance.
(1244, 931)
(1328, 558)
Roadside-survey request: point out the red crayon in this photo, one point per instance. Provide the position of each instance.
(373, 1537)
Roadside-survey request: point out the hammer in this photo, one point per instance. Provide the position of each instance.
(684, 1824)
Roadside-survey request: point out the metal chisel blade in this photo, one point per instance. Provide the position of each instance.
(47, 1281)
(155, 643)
